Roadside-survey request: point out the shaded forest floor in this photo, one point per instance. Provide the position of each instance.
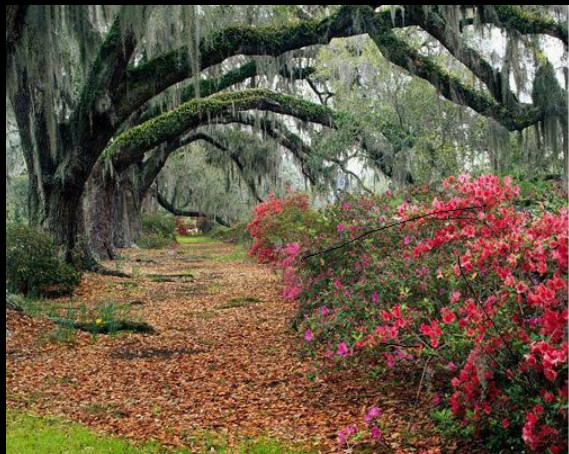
(222, 365)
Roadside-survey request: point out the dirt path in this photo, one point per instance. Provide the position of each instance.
(224, 361)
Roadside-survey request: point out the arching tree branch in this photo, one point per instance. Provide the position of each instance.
(158, 158)
(512, 17)
(402, 54)
(133, 144)
(210, 86)
(168, 206)
(154, 76)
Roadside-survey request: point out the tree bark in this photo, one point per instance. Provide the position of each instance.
(127, 210)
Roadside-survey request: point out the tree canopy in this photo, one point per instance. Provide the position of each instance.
(102, 96)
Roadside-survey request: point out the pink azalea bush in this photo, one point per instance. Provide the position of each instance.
(278, 223)
(463, 278)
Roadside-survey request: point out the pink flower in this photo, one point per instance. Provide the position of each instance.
(340, 227)
(344, 435)
(376, 433)
(375, 297)
(292, 249)
(372, 413)
(455, 297)
(448, 315)
(308, 335)
(342, 349)
(521, 287)
(451, 366)
(324, 311)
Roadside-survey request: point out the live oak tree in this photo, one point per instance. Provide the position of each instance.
(100, 91)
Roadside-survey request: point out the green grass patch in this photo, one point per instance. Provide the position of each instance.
(30, 434)
(194, 240)
(237, 255)
(239, 302)
(183, 276)
(203, 315)
(106, 318)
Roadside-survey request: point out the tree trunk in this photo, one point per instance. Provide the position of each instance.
(127, 207)
(98, 206)
(112, 209)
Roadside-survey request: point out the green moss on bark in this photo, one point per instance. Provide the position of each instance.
(132, 144)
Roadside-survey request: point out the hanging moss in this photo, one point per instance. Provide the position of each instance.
(134, 143)
(548, 95)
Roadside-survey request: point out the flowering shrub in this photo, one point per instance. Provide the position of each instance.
(460, 278)
(279, 224)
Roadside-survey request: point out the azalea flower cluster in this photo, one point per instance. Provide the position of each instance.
(274, 222)
(460, 277)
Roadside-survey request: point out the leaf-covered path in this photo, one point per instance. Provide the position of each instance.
(224, 360)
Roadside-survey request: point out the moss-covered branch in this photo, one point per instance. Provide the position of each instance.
(434, 23)
(134, 143)
(518, 19)
(514, 17)
(94, 119)
(210, 86)
(154, 76)
(402, 54)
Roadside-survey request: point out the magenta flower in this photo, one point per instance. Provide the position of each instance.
(343, 435)
(324, 310)
(375, 298)
(308, 335)
(342, 349)
(372, 413)
(340, 227)
(376, 433)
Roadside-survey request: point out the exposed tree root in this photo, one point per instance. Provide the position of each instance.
(95, 267)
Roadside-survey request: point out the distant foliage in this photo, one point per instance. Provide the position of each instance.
(157, 231)
(234, 234)
(158, 224)
(154, 241)
(33, 266)
(467, 284)
(205, 225)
